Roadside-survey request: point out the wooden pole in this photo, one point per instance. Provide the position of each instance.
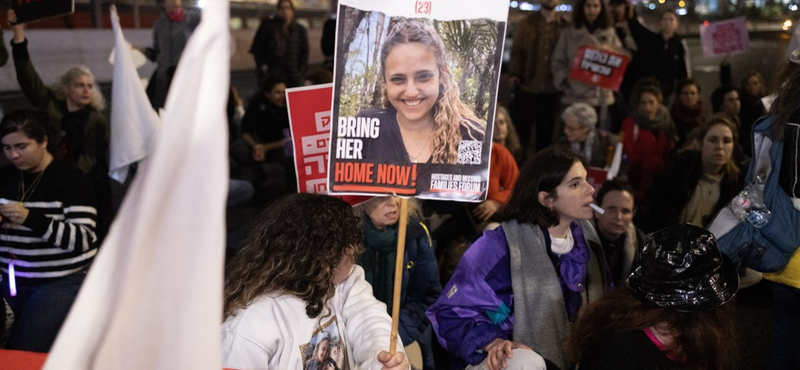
(398, 272)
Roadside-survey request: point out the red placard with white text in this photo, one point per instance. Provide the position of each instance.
(310, 121)
(599, 67)
(310, 124)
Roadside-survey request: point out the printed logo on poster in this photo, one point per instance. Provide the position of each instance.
(415, 118)
(310, 122)
(728, 37)
(599, 67)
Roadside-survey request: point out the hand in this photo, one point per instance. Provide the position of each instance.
(14, 212)
(397, 361)
(11, 15)
(486, 210)
(498, 351)
(18, 29)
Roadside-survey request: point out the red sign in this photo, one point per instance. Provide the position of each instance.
(32, 10)
(310, 122)
(599, 67)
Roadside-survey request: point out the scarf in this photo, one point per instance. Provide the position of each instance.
(661, 123)
(378, 260)
(692, 116)
(177, 15)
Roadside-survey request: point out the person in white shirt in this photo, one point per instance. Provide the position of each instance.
(294, 298)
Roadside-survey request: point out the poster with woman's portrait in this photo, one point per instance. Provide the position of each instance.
(415, 88)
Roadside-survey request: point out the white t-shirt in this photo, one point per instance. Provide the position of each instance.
(274, 332)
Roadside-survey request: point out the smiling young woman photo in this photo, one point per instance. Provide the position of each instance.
(421, 107)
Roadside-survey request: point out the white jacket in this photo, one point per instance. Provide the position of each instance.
(274, 332)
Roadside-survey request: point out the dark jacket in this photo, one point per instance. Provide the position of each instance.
(3, 50)
(664, 59)
(419, 290)
(668, 195)
(85, 147)
(279, 50)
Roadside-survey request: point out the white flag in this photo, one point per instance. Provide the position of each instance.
(134, 122)
(153, 298)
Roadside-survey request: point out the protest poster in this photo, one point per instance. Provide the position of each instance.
(728, 37)
(310, 123)
(415, 88)
(32, 10)
(310, 131)
(599, 67)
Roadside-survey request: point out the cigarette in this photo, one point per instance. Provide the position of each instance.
(597, 208)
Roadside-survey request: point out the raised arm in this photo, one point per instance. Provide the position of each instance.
(30, 82)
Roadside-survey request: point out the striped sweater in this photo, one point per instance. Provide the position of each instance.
(58, 236)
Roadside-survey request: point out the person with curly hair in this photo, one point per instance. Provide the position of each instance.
(422, 118)
(669, 315)
(519, 287)
(295, 278)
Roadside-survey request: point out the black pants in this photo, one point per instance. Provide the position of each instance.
(534, 117)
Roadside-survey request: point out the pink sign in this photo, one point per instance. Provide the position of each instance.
(726, 37)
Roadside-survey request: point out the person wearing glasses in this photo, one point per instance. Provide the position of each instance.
(621, 239)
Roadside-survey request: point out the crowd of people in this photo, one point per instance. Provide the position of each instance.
(553, 270)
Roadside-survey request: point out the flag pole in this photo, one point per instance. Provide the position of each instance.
(398, 272)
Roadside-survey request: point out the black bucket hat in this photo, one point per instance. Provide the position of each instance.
(683, 269)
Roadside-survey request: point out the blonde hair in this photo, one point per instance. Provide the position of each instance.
(61, 87)
(414, 207)
(450, 113)
(513, 143)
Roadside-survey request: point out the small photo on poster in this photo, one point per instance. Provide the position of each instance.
(413, 105)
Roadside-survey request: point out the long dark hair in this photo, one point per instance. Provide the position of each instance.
(544, 172)
(707, 340)
(786, 103)
(603, 20)
(294, 248)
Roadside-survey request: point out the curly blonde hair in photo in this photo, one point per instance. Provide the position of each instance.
(450, 113)
(61, 87)
(294, 248)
